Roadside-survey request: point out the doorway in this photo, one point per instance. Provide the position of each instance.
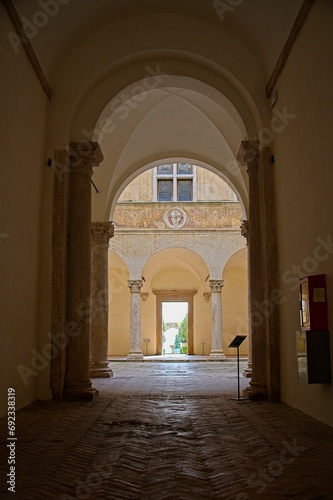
(175, 297)
(174, 327)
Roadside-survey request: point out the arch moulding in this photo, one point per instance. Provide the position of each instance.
(137, 251)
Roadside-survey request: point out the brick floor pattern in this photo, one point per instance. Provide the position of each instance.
(168, 446)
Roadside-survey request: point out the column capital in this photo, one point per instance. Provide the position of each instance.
(216, 285)
(135, 285)
(245, 230)
(248, 153)
(85, 154)
(101, 232)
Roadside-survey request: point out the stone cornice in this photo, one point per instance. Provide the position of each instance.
(174, 292)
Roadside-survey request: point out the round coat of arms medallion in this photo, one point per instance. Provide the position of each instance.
(175, 218)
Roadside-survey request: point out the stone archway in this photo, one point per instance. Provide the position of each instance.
(174, 296)
(210, 142)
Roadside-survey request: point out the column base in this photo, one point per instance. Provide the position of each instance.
(101, 373)
(135, 356)
(80, 391)
(247, 373)
(255, 391)
(100, 370)
(216, 356)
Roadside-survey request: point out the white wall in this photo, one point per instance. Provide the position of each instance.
(304, 182)
(22, 127)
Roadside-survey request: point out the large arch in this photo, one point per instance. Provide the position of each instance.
(121, 60)
(216, 93)
(170, 123)
(203, 107)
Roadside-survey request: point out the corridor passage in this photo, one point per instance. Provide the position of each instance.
(168, 431)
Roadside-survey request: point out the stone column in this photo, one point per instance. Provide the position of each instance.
(135, 353)
(246, 233)
(84, 156)
(101, 233)
(216, 335)
(249, 155)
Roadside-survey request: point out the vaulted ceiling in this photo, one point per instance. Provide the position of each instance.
(175, 80)
(261, 25)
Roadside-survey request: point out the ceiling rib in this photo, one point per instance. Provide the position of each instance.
(24, 40)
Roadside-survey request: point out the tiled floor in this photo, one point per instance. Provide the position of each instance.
(168, 431)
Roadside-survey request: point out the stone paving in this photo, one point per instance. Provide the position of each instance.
(168, 431)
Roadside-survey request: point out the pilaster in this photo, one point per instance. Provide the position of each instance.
(249, 155)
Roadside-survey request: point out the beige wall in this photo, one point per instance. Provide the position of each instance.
(148, 323)
(140, 189)
(235, 302)
(23, 168)
(119, 307)
(210, 187)
(304, 181)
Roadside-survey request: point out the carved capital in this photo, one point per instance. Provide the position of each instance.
(245, 230)
(101, 232)
(135, 285)
(207, 296)
(85, 155)
(216, 285)
(144, 296)
(248, 153)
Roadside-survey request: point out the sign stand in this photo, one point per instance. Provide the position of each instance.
(238, 340)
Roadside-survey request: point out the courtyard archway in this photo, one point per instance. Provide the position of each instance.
(139, 130)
